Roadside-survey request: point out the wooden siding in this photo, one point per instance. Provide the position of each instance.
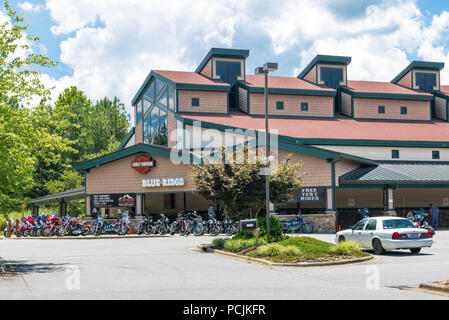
(319, 106)
(406, 80)
(119, 177)
(207, 70)
(316, 171)
(346, 104)
(210, 101)
(441, 108)
(243, 100)
(368, 108)
(311, 75)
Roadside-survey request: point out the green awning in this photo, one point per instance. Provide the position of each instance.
(74, 194)
(404, 172)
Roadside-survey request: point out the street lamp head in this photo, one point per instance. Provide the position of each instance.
(270, 66)
(259, 71)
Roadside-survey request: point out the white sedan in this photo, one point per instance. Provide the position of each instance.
(387, 233)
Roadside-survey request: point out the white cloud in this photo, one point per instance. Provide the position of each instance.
(28, 6)
(112, 44)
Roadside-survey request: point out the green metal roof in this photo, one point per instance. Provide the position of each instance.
(320, 58)
(162, 151)
(419, 65)
(74, 194)
(403, 172)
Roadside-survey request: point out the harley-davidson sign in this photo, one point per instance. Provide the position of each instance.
(143, 164)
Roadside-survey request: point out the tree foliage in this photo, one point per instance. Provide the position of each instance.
(40, 144)
(239, 187)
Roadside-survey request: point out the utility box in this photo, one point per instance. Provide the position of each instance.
(248, 225)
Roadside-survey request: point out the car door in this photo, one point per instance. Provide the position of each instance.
(356, 233)
(368, 233)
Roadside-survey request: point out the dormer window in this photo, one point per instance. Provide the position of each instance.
(426, 82)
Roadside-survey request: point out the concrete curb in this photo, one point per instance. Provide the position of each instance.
(274, 264)
(2, 266)
(435, 286)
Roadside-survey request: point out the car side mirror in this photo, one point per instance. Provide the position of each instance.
(352, 227)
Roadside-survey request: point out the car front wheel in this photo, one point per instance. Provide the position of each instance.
(341, 239)
(377, 246)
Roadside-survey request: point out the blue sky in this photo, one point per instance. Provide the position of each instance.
(107, 47)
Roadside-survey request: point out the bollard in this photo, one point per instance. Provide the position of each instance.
(9, 228)
(17, 227)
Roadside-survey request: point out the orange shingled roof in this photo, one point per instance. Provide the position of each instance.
(282, 83)
(189, 77)
(339, 128)
(381, 87)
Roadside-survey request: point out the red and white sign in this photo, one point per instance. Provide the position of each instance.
(143, 164)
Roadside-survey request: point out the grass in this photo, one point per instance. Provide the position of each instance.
(298, 249)
(348, 248)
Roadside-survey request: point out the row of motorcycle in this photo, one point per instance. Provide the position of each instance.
(187, 223)
(47, 226)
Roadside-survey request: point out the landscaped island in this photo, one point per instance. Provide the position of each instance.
(284, 249)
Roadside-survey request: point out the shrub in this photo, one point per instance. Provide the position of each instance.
(239, 245)
(218, 242)
(348, 248)
(276, 231)
(243, 235)
(291, 251)
(309, 246)
(276, 249)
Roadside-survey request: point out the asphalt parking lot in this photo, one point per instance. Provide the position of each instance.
(167, 268)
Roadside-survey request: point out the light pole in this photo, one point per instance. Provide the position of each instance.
(267, 67)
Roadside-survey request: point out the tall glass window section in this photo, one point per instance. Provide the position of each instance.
(157, 99)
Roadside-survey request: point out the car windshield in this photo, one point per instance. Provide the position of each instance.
(397, 223)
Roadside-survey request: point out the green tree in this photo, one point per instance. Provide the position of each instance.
(23, 141)
(239, 187)
(19, 81)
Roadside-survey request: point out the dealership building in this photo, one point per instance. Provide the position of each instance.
(362, 144)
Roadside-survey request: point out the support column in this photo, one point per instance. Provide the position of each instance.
(330, 195)
(35, 211)
(88, 209)
(389, 209)
(139, 204)
(62, 208)
(330, 200)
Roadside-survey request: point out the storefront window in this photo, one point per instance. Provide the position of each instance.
(163, 98)
(146, 105)
(171, 98)
(150, 91)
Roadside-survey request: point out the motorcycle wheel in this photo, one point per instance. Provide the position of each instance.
(307, 228)
(39, 232)
(60, 232)
(229, 231)
(85, 230)
(182, 231)
(148, 230)
(124, 230)
(162, 230)
(198, 231)
(97, 231)
(214, 231)
(6, 234)
(26, 233)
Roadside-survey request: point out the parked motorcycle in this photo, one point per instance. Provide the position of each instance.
(73, 227)
(361, 214)
(418, 217)
(296, 224)
(162, 226)
(146, 226)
